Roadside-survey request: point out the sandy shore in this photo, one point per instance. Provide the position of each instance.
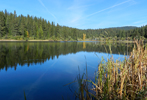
(25, 40)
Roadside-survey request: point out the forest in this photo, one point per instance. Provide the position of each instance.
(34, 28)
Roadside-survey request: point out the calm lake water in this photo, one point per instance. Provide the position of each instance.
(41, 69)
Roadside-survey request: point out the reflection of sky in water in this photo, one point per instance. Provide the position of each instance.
(47, 80)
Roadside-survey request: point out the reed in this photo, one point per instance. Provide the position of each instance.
(126, 80)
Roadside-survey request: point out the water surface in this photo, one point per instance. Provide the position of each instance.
(41, 69)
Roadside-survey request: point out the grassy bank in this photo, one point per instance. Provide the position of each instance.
(65, 40)
(32, 40)
(126, 80)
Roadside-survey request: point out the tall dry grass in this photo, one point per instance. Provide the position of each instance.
(126, 80)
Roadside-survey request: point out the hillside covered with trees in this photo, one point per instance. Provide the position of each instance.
(33, 28)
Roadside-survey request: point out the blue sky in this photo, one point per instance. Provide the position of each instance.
(83, 14)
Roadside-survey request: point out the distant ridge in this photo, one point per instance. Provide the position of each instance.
(125, 27)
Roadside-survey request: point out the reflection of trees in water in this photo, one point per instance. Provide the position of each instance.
(28, 53)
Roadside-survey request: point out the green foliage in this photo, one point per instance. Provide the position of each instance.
(65, 33)
(57, 31)
(52, 29)
(37, 34)
(41, 32)
(26, 34)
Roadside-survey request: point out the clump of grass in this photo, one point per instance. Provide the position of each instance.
(125, 80)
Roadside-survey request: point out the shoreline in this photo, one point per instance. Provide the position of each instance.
(12, 40)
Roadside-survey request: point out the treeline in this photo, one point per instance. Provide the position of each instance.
(29, 27)
(118, 33)
(14, 53)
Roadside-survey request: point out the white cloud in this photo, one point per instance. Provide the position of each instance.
(109, 7)
(142, 21)
(75, 19)
(47, 9)
(78, 7)
(76, 14)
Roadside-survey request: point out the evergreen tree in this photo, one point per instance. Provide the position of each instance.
(2, 24)
(65, 32)
(20, 29)
(44, 27)
(57, 31)
(52, 30)
(41, 32)
(75, 36)
(48, 29)
(36, 31)
(8, 30)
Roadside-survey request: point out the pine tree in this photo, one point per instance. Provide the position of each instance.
(20, 29)
(75, 36)
(6, 22)
(0, 31)
(44, 27)
(65, 32)
(48, 29)
(41, 32)
(36, 31)
(52, 30)
(2, 24)
(57, 31)
(8, 25)
(15, 24)
(37, 34)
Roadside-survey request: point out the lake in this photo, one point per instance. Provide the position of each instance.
(42, 69)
